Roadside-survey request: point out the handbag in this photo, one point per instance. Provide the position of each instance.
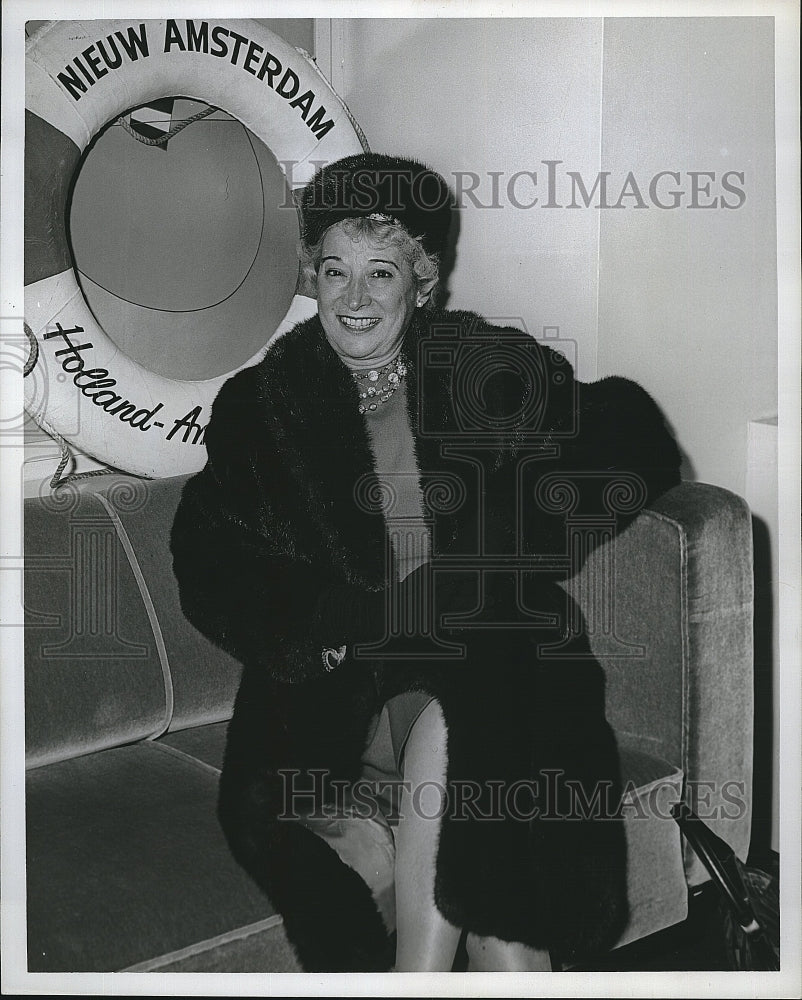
(750, 897)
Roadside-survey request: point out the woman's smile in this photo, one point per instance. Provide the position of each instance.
(359, 322)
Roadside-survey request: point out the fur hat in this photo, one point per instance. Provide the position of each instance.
(388, 188)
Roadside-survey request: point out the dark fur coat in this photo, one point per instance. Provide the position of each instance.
(509, 446)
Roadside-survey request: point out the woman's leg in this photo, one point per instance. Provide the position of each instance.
(489, 954)
(427, 942)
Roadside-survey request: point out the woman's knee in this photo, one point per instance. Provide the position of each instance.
(426, 746)
(423, 789)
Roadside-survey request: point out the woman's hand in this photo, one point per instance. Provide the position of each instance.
(346, 614)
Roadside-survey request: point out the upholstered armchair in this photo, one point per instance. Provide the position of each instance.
(126, 709)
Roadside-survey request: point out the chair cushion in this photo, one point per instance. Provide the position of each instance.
(127, 862)
(203, 743)
(668, 611)
(656, 887)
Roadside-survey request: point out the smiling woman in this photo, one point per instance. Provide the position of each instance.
(377, 536)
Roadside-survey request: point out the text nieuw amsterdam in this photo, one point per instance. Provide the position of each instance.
(110, 53)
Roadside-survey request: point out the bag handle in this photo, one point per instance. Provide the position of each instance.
(719, 859)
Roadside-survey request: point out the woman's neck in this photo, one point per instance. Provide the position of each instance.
(365, 364)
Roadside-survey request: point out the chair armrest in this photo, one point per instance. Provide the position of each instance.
(718, 684)
(678, 660)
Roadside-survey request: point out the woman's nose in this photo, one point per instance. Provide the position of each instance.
(357, 292)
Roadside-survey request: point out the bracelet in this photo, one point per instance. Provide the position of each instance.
(332, 658)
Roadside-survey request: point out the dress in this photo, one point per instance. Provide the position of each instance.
(288, 509)
(393, 448)
(364, 838)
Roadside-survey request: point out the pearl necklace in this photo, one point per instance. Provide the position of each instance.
(377, 385)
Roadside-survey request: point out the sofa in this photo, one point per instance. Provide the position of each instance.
(127, 707)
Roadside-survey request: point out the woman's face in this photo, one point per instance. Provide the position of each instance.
(366, 295)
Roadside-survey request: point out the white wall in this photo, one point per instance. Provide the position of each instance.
(495, 95)
(687, 297)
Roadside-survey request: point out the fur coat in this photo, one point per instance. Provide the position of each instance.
(509, 446)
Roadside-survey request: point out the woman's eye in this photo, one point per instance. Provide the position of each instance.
(381, 273)
(332, 272)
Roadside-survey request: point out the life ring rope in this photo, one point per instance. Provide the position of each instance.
(159, 140)
(57, 479)
(30, 364)
(66, 454)
(354, 123)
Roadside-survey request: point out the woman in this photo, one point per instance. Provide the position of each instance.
(377, 537)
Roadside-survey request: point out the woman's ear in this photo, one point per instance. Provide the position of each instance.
(425, 289)
(307, 281)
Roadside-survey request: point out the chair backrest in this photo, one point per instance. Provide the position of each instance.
(110, 657)
(93, 675)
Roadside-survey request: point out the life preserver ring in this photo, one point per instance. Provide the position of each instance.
(79, 76)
